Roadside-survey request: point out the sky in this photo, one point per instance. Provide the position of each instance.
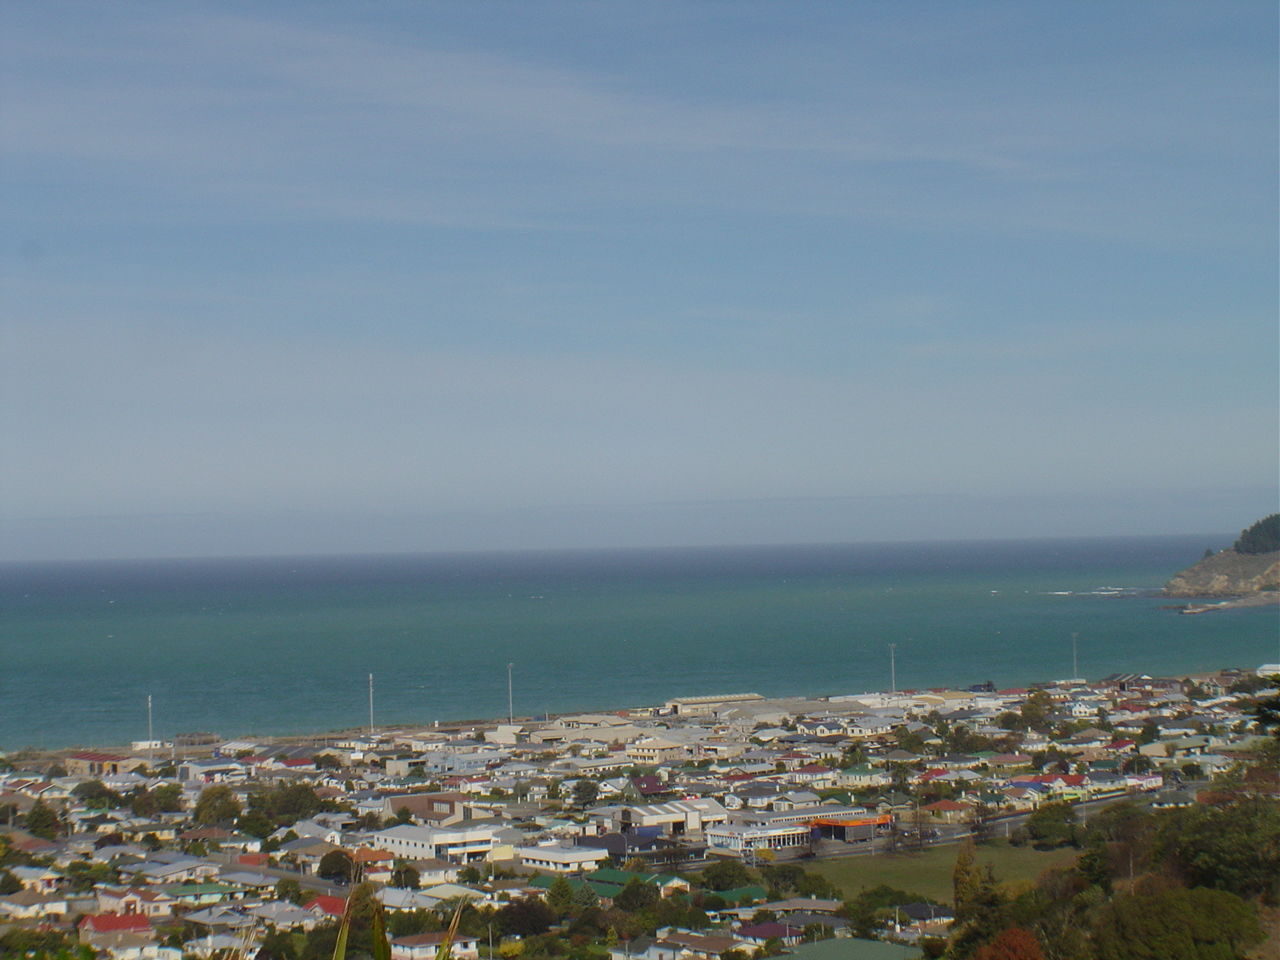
(346, 277)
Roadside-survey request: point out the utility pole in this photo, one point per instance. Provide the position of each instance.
(371, 704)
(151, 740)
(1075, 659)
(511, 710)
(893, 668)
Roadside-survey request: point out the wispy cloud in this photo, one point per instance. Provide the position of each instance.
(280, 119)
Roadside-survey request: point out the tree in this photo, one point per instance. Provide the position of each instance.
(1052, 825)
(406, 877)
(1262, 537)
(289, 889)
(42, 821)
(336, 865)
(9, 883)
(217, 805)
(1095, 863)
(1173, 922)
(725, 875)
(17, 942)
(407, 923)
(525, 917)
(966, 881)
(1235, 847)
(1012, 944)
(277, 945)
(636, 896)
(1036, 709)
(984, 916)
(585, 792)
(286, 804)
(256, 824)
(97, 796)
(168, 797)
(584, 898)
(1266, 711)
(813, 932)
(560, 896)
(781, 878)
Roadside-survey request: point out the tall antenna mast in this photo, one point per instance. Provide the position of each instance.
(1075, 658)
(371, 704)
(893, 668)
(151, 740)
(511, 712)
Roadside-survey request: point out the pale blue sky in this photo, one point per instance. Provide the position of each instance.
(283, 278)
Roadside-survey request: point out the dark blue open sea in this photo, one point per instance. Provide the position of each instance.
(271, 646)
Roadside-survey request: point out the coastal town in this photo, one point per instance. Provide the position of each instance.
(698, 828)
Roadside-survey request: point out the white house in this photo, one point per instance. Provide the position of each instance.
(423, 946)
(559, 858)
(458, 844)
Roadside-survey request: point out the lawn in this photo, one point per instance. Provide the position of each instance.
(928, 873)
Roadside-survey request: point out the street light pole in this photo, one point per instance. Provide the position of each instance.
(511, 712)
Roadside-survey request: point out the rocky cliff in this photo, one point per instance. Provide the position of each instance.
(1228, 574)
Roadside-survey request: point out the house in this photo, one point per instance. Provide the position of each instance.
(34, 905)
(761, 933)
(39, 879)
(434, 809)
(326, 907)
(147, 901)
(202, 894)
(853, 948)
(948, 811)
(220, 918)
(702, 946)
(374, 865)
(813, 775)
(432, 871)
(795, 798)
(306, 853)
(176, 870)
(211, 771)
(98, 765)
(556, 858)
(863, 775)
(103, 930)
(283, 916)
(645, 948)
(667, 884)
(677, 818)
(656, 750)
(217, 838)
(398, 898)
(423, 946)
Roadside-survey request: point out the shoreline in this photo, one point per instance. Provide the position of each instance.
(272, 652)
(1196, 605)
(477, 724)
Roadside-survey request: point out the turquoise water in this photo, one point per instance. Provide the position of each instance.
(285, 645)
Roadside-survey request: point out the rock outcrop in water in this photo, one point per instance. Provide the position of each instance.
(1228, 574)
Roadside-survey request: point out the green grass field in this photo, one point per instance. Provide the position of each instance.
(928, 873)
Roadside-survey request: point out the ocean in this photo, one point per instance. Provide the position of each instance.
(285, 645)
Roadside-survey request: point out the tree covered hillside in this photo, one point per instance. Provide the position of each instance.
(1262, 537)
